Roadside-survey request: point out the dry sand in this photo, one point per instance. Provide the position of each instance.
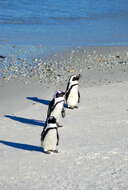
(93, 141)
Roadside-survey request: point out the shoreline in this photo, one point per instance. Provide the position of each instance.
(60, 65)
(97, 66)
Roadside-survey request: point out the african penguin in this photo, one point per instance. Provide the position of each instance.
(50, 136)
(56, 106)
(72, 94)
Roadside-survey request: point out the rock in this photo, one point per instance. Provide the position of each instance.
(2, 57)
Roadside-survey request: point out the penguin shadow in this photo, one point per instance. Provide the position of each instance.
(22, 146)
(27, 147)
(26, 120)
(42, 101)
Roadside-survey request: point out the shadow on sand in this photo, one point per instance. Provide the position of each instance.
(42, 101)
(26, 121)
(22, 146)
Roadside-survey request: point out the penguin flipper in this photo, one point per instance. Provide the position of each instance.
(50, 107)
(67, 94)
(67, 91)
(57, 137)
(43, 135)
(78, 97)
(67, 87)
(63, 113)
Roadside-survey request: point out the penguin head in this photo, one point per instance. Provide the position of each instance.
(59, 94)
(52, 119)
(74, 78)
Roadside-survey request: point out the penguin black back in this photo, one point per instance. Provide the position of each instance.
(73, 81)
(56, 106)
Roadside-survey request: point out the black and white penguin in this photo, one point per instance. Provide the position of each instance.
(56, 106)
(50, 136)
(72, 94)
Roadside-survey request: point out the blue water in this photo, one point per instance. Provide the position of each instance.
(38, 27)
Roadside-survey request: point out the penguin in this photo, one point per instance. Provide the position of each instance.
(56, 106)
(72, 94)
(50, 136)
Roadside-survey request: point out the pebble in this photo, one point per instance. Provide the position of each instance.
(59, 66)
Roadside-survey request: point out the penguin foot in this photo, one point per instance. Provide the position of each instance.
(60, 125)
(53, 151)
(47, 151)
(70, 107)
(76, 107)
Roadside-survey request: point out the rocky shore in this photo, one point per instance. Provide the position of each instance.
(98, 65)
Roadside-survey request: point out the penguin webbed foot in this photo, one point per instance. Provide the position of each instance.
(76, 107)
(50, 151)
(46, 151)
(63, 113)
(58, 125)
(71, 108)
(54, 151)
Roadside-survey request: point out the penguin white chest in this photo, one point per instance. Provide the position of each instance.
(73, 96)
(57, 111)
(50, 140)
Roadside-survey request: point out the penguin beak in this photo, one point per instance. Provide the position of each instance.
(63, 93)
(78, 77)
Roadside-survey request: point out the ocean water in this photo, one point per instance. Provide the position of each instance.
(31, 30)
(36, 28)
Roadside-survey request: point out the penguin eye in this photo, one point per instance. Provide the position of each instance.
(57, 95)
(74, 78)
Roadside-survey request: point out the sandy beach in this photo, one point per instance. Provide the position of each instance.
(93, 141)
